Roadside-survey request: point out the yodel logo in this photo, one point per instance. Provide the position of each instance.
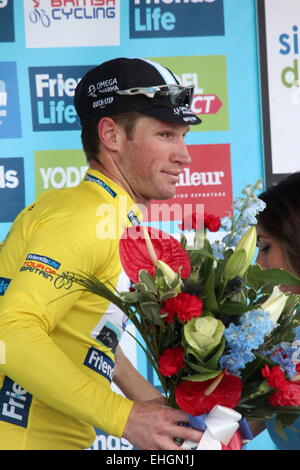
(15, 403)
(100, 362)
(161, 18)
(52, 95)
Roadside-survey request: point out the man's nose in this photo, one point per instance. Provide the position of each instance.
(182, 154)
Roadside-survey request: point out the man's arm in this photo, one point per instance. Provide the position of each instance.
(131, 382)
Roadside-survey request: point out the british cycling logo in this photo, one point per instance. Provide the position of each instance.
(58, 10)
(10, 123)
(170, 18)
(42, 16)
(12, 188)
(7, 31)
(52, 93)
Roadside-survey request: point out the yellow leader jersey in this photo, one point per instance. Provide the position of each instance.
(60, 340)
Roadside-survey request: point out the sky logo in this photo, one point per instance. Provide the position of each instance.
(7, 30)
(52, 94)
(10, 124)
(176, 18)
(12, 188)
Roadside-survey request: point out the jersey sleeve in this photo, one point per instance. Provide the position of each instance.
(32, 307)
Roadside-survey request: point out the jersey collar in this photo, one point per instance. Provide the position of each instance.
(131, 214)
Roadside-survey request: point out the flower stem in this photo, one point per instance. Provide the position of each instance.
(150, 247)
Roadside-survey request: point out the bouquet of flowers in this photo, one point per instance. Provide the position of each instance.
(221, 336)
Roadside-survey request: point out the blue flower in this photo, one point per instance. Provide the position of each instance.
(235, 360)
(259, 319)
(226, 223)
(243, 338)
(249, 214)
(238, 204)
(218, 250)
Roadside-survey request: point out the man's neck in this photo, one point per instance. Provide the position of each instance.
(114, 174)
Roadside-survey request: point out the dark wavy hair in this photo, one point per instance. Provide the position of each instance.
(281, 217)
(89, 134)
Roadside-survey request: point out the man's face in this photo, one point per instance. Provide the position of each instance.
(152, 159)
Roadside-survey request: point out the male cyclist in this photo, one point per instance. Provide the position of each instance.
(62, 343)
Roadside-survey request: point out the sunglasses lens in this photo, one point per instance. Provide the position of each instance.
(182, 97)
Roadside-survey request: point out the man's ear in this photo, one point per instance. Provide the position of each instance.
(109, 133)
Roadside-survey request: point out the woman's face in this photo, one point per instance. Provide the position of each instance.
(272, 255)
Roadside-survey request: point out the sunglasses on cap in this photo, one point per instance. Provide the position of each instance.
(178, 95)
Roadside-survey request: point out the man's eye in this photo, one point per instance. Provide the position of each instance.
(265, 248)
(165, 134)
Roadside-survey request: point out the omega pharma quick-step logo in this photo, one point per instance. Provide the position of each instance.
(170, 18)
(52, 97)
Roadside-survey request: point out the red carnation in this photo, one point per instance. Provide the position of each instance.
(212, 222)
(191, 397)
(185, 306)
(287, 392)
(275, 377)
(171, 361)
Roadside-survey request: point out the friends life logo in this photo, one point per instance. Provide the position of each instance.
(10, 123)
(52, 97)
(7, 30)
(12, 188)
(176, 18)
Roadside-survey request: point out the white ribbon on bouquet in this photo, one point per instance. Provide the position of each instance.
(221, 424)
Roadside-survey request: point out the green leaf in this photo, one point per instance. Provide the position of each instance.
(194, 353)
(272, 276)
(199, 368)
(210, 301)
(170, 337)
(263, 388)
(130, 297)
(212, 363)
(168, 295)
(147, 280)
(202, 377)
(151, 311)
(233, 308)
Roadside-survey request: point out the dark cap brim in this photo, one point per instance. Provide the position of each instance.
(175, 115)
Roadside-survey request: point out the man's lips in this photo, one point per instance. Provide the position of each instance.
(172, 174)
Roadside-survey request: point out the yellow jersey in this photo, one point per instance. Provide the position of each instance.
(59, 339)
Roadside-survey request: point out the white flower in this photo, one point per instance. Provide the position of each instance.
(275, 304)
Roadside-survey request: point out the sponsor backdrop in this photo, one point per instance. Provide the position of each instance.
(279, 44)
(46, 46)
